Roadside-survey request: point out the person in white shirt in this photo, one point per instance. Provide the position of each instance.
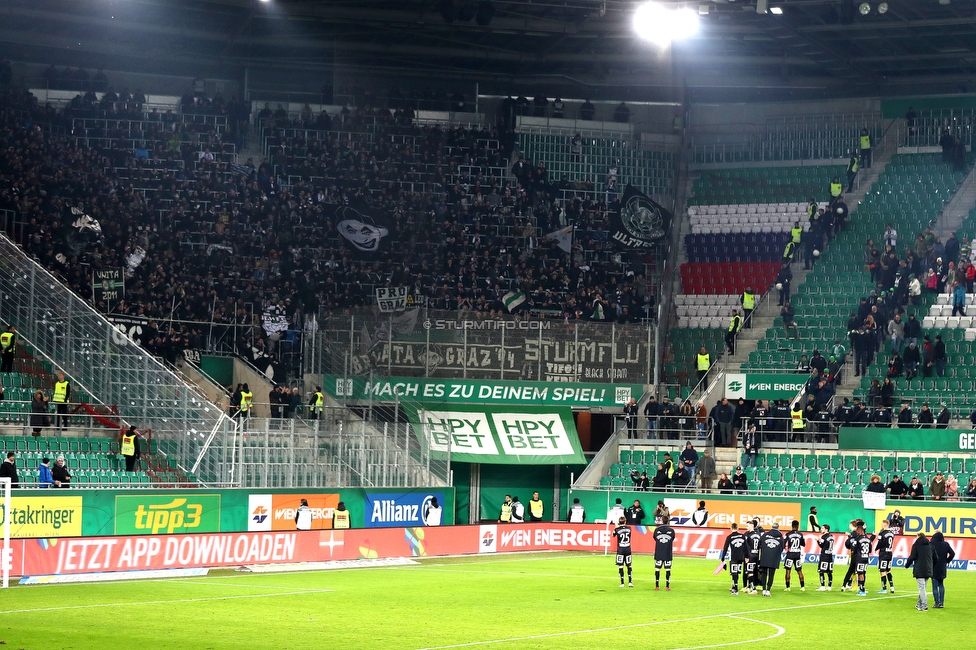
(518, 511)
(303, 516)
(616, 512)
(891, 236)
(577, 515)
(432, 514)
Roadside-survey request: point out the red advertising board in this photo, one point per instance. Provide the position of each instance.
(32, 557)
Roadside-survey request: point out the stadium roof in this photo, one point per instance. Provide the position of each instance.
(813, 49)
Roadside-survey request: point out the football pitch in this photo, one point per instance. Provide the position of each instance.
(545, 600)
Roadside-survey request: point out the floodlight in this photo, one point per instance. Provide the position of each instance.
(883, 8)
(864, 8)
(661, 25)
(776, 10)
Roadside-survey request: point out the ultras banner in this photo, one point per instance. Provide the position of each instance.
(638, 222)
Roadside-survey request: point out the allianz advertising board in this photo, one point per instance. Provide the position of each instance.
(392, 509)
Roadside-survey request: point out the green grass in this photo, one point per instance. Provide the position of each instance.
(508, 601)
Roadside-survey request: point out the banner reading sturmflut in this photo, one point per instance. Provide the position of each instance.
(639, 222)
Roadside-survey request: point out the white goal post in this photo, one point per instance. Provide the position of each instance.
(6, 555)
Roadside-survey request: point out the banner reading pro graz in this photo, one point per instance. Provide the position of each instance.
(579, 351)
(515, 436)
(639, 222)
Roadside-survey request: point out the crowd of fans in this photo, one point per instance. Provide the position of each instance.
(201, 237)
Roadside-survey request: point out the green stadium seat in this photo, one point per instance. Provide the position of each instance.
(775, 474)
(750, 473)
(833, 490)
(863, 462)
(615, 470)
(788, 474)
(929, 465)
(836, 462)
(638, 457)
(810, 461)
(917, 464)
(818, 490)
(792, 490)
(626, 455)
(971, 465)
(904, 464)
(796, 461)
(887, 464)
(828, 476)
(762, 473)
(779, 490)
(823, 461)
(800, 476)
(850, 462)
(957, 466)
(605, 481)
(783, 460)
(943, 465)
(766, 487)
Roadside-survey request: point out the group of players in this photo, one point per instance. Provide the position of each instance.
(756, 554)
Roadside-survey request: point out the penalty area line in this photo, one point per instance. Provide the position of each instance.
(632, 626)
(64, 608)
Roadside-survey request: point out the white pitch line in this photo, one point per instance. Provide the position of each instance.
(780, 631)
(156, 602)
(236, 585)
(653, 623)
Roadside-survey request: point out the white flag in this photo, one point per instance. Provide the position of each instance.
(563, 238)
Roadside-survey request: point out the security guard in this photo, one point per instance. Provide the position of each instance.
(812, 210)
(748, 301)
(340, 516)
(536, 508)
(8, 344)
(735, 324)
(865, 149)
(789, 252)
(703, 363)
(851, 172)
(130, 448)
(505, 516)
(576, 513)
(316, 403)
(247, 397)
(796, 232)
(62, 393)
(796, 416)
(836, 189)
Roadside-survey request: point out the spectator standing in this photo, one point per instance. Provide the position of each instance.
(725, 484)
(735, 324)
(661, 480)
(44, 477)
(945, 415)
(303, 516)
(852, 166)
(740, 481)
(706, 470)
(748, 302)
(616, 512)
(897, 489)
(915, 489)
(661, 514)
(937, 489)
(518, 511)
(630, 416)
(750, 446)
(784, 280)
(62, 477)
(971, 490)
(505, 513)
(681, 479)
(788, 314)
(952, 488)
(39, 417)
(922, 564)
(587, 110)
(635, 513)
(723, 415)
(651, 413)
(701, 420)
(942, 555)
(939, 356)
(576, 515)
(8, 469)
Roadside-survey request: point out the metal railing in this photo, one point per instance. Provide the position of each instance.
(110, 366)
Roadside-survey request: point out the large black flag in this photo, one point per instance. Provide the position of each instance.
(638, 222)
(367, 231)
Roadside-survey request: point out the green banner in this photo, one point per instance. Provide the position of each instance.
(463, 391)
(952, 440)
(516, 435)
(167, 513)
(761, 386)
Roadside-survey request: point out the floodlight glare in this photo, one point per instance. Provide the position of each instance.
(883, 8)
(661, 25)
(776, 10)
(865, 9)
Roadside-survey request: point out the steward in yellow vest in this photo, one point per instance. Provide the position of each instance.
(536, 508)
(318, 399)
(748, 301)
(340, 516)
(796, 415)
(836, 188)
(505, 516)
(130, 448)
(8, 344)
(865, 142)
(62, 393)
(851, 172)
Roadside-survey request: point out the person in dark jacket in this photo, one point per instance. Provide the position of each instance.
(945, 415)
(39, 418)
(725, 485)
(897, 488)
(921, 559)
(770, 552)
(661, 480)
(916, 490)
(8, 469)
(905, 417)
(740, 481)
(942, 555)
(926, 418)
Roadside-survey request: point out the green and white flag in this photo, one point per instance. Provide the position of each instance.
(512, 300)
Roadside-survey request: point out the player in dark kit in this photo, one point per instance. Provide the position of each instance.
(826, 567)
(734, 554)
(794, 554)
(622, 533)
(848, 583)
(752, 561)
(884, 545)
(859, 558)
(770, 552)
(663, 545)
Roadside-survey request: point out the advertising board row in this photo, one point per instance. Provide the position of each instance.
(104, 512)
(908, 440)
(39, 557)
